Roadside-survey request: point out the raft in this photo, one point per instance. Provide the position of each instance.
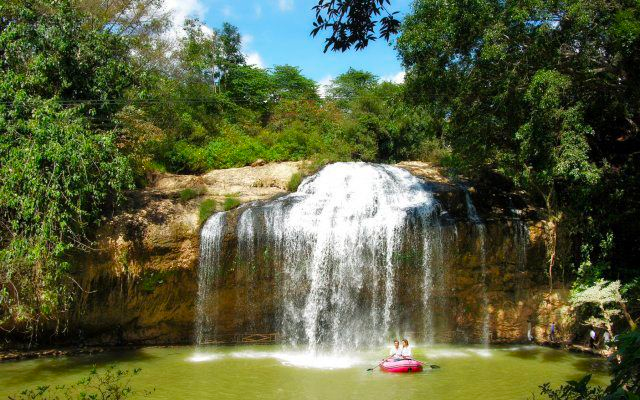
(401, 365)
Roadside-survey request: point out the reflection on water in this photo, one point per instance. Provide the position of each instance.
(279, 372)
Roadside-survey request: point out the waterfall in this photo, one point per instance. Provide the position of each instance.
(339, 241)
(209, 264)
(520, 242)
(481, 232)
(354, 257)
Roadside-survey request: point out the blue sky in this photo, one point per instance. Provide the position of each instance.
(277, 32)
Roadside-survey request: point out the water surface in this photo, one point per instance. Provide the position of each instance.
(277, 372)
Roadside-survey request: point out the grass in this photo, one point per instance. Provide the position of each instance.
(207, 208)
(294, 182)
(230, 202)
(190, 193)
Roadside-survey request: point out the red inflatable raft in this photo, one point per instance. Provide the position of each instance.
(401, 365)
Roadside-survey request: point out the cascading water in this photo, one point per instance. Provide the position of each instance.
(210, 245)
(338, 241)
(355, 256)
(481, 232)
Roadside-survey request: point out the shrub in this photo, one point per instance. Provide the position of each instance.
(110, 384)
(190, 193)
(573, 390)
(230, 202)
(207, 209)
(294, 182)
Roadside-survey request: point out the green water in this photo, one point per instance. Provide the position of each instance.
(274, 372)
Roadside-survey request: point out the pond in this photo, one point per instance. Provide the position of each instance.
(277, 372)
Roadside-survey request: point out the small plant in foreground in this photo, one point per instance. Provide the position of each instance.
(207, 208)
(294, 182)
(110, 384)
(230, 202)
(190, 193)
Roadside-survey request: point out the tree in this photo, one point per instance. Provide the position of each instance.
(250, 87)
(289, 83)
(59, 156)
(546, 93)
(198, 54)
(353, 22)
(347, 86)
(607, 299)
(231, 47)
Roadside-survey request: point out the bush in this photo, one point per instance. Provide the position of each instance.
(207, 209)
(626, 373)
(190, 194)
(625, 383)
(110, 384)
(230, 202)
(573, 391)
(294, 182)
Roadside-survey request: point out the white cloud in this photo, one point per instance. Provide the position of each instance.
(258, 10)
(395, 78)
(253, 58)
(179, 10)
(227, 11)
(285, 5)
(246, 40)
(323, 85)
(206, 30)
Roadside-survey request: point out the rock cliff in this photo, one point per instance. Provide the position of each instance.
(140, 284)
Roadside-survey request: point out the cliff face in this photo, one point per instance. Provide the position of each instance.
(140, 285)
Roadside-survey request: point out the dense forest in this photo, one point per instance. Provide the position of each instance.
(96, 99)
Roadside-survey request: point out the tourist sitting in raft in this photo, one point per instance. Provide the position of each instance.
(406, 350)
(395, 351)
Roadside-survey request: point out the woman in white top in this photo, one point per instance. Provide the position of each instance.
(406, 350)
(396, 350)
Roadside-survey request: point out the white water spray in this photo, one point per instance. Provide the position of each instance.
(338, 240)
(210, 246)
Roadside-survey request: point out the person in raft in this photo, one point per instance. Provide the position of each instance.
(406, 350)
(396, 350)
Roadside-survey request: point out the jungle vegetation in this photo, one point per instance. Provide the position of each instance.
(95, 99)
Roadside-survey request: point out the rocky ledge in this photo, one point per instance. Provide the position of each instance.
(139, 284)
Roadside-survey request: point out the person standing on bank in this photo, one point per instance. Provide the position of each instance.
(552, 332)
(592, 338)
(606, 338)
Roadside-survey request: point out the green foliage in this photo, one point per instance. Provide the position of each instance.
(606, 301)
(625, 382)
(230, 202)
(347, 86)
(289, 83)
(151, 280)
(61, 171)
(294, 182)
(207, 209)
(573, 390)
(190, 194)
(545, 93)
(110, 384)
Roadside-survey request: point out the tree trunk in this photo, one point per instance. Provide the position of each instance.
(632, 323)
